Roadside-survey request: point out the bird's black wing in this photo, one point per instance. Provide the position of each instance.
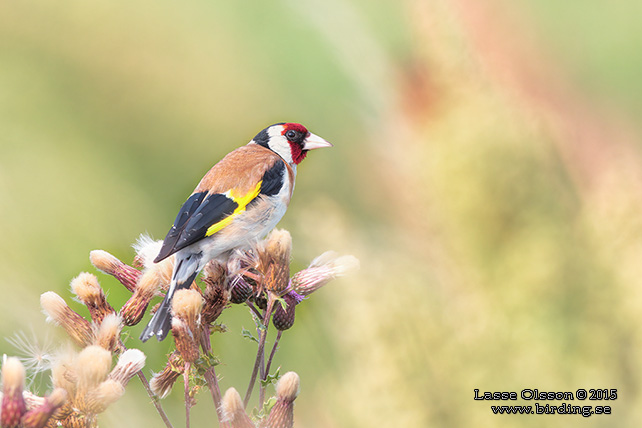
(204, 214)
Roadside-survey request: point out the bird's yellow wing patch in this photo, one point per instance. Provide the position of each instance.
(241, 201)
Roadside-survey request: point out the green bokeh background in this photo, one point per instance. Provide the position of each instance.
(487, 260)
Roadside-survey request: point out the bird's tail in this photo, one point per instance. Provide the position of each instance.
(161, 322)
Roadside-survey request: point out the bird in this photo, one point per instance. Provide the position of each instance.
(239, 200)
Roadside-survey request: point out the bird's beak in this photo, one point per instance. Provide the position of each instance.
(312, 142)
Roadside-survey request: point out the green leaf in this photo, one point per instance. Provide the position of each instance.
(271, 378)
(218, 328)
(205, 361)
(281, 301)
(246, 334)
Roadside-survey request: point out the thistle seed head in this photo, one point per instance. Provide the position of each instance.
(187, 305)
(282, 414)
(92, 365)
(185, 339)
(109, 264)
(59, 313)
(39, 416)
(162, 383)
(105, 393)
(108, 333)
(274, 260)
(129, 363)
(234, 415)
(322, 270)
(134, 309)
(13, 383)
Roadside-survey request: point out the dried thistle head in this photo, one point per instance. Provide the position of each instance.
(63, 371)
(104, 394)
(38, 417)
(274, 260)
(146, 251)
(185, 339)
(282, 414)
(59, 313)
(108, 333)
(92, 366)
(147, 287)
(109, 264)
(322, 270)
(13, 383)
(162, 383)
(216, 293)
(129, 363)
(187, 305)
(234, 415)
(86, 287)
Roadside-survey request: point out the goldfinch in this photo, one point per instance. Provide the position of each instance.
(239, 200)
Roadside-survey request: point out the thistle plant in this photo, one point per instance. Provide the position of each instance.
(85, 380)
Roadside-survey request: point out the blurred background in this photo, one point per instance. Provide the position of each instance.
(486, 171)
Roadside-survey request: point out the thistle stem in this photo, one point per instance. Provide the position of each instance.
(210, 373)
(260, 353)
(274, 347)
(188, 401)
(152, 396)
(154, 399)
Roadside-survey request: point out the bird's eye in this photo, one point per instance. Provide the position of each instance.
(291, 135)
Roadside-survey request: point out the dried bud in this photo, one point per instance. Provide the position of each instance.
(58, 312)
(163, 382)
(282, 414)
(106, 393)
(92, 365)
(322, 270)
(234, 415)
(13, 383)
(107, 263)
(38, 417)
(134, 309)
(274, 257)
(108, 333)
(130, 362)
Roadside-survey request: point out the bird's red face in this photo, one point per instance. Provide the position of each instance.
(291, 141)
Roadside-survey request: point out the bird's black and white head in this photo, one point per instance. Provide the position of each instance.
(291, 141)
